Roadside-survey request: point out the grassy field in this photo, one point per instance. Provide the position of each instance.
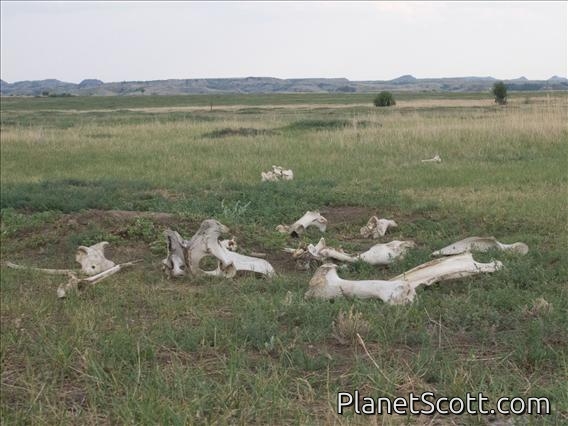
(141, 349)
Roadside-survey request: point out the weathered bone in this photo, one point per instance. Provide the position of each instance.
(75, 283)
(277, 173)
(92, 259)
(204, 243)
(480, 244)
(447, 268)
(385, 254)
(376, 227)
(43, 270)
(326, 284)
(321, 251)
(435, 159)
(299, 227)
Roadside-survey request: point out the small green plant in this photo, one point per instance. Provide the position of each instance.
(384, 99)
(234, 212)
(500, 92)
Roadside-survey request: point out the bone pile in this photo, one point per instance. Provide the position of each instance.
(276, 174)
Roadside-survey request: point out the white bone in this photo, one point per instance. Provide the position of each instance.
(326, 284)
(376, 227)
(92, 259)
(175, 263)
(385, 254)
(308, 219)
(43, 270)
(277, 173)
(321, 252)
(74, 282)
(480, 244)
(435, 159)
(447, 268)
(206, 242)
(230, 245)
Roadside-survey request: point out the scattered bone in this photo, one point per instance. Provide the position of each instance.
(435, 159)
(481, 244)
(43, 270)
(385, 254)
(205, 242)
(277, 173)
(229, 244)
(92, 259)
(299, 227)
(75, 283)
(322, 252)
(447, 268)
(326, 284)
(376, 227)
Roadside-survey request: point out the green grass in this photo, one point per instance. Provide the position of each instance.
(138, 348)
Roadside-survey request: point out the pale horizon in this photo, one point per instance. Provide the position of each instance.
(359, 41)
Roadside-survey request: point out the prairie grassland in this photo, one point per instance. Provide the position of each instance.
(141, 349)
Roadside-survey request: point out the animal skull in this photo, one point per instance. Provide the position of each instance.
(92, 259)
(299, 227)
(376, 227)
(481, 244)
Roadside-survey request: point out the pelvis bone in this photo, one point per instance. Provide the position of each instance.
(480, 244)
(376, 227)
(277, 173)
(325, 284)
(183, 254)
(92, 259)
(299, 227)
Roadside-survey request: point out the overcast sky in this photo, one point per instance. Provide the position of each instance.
(116, 41)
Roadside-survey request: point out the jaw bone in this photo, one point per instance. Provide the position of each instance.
(204, 243)
(299, 227)
(376, 227)
(325, 284)
(480, 244)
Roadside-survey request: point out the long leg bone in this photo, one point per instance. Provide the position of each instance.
(321, 252)
(435, 159)
(480, 244)
(43, 270)
(326, 284)
(92, 259)
(376, 227)
(385, 254)
(310, 218)
(447, 268)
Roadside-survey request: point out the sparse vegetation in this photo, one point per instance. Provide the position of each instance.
(384, 99)
(139, 348)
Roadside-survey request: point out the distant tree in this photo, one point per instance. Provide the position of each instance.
(45, 93)
(500, 92)
(384, 99)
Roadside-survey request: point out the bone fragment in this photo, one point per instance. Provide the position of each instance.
(205, 242)
(310, 218)
(321, 252)
(277, 173)
(385, 254)
(92, 259)
(480, 244)
(435, 159)
(78, 283)
(43, 270)
(376, 227)
(447, 268)
(326, 284)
